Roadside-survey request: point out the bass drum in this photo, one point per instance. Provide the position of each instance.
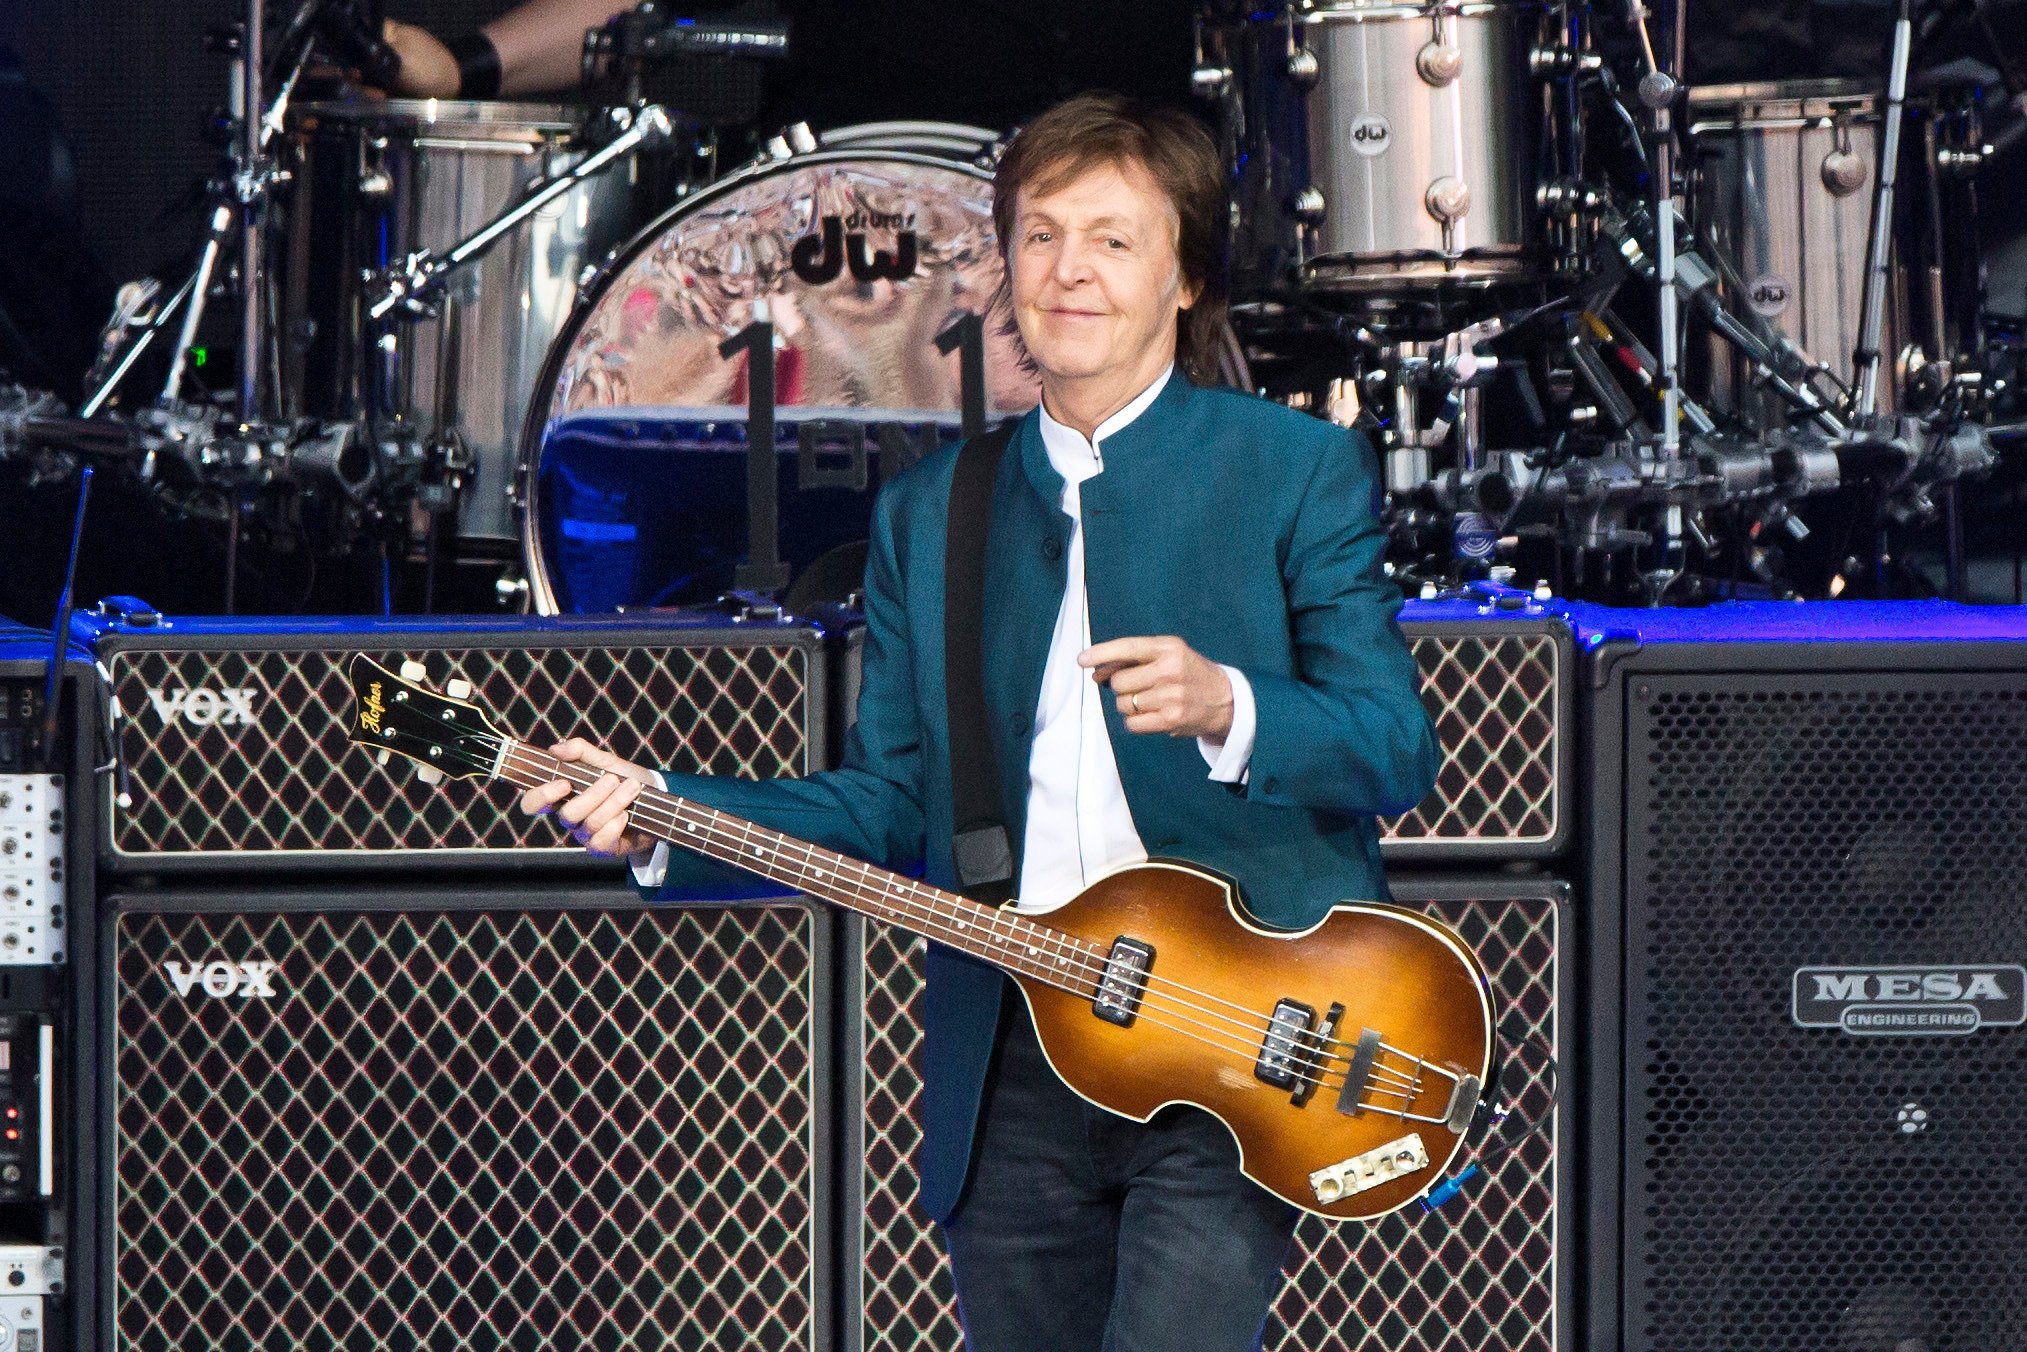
(634, 459)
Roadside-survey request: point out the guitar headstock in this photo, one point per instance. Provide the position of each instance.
(444, 734)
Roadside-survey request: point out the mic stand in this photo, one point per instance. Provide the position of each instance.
(1657, 91)
(410, 287)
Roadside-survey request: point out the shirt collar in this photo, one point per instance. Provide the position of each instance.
(1075, 458)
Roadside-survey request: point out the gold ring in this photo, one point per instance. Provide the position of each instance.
(1135, 698)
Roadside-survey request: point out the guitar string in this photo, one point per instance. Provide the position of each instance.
(1383, 1079)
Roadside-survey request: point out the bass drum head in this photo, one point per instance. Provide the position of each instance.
(634, 461)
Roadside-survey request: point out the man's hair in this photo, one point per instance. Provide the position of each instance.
(1094, 130)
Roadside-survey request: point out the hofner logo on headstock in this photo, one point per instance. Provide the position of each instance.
(841, 242)
(371, 708)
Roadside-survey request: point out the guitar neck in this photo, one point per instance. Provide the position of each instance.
(1004, 938)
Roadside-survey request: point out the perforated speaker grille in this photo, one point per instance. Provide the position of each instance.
(1805, 1189)
(1497, 698)
(212, 786)
(1478, 1276)
(465, 1129)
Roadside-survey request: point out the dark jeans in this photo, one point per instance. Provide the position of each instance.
(1085, 1232)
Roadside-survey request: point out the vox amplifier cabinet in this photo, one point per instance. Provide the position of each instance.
(1482, 1273)
(413, 1117)
(1808, 946)
(231, 733)
(1497, 683)
(1498, 686)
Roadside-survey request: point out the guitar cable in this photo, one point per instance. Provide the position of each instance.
(1490, 1118)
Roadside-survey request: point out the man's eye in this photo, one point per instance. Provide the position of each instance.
(1115, 243)
(1038, 237)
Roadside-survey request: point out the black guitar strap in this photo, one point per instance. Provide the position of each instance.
(981, 846)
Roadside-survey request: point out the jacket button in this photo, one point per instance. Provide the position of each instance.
(1272, 786)
(1020, 725)
(1053, 550)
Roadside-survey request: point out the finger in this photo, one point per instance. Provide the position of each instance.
(574, 812)
(1141, 680)
(598, 758)
(1162, 721)
(616, 808)
(1134, 703)
(1122, 651)
(545, 796)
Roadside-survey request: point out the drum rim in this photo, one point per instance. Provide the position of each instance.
(527, 461)
(429, 114)
(1839, 88)
(1399, 9)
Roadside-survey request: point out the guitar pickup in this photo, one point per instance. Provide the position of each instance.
(1124, 982)
(1282, 1058)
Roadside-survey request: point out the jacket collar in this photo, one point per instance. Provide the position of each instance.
(1130, 445)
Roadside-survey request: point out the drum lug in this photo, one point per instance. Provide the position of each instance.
(1309, 207)
(1439, 63)
(1448, 199)
(1844, 172)
(1303, 68)
(1211, 82)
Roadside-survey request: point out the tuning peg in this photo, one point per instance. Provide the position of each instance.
(412, 670)
(457, 687)
(384, 756)
(429, 774)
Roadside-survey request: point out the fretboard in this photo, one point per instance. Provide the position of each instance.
(1002, 937)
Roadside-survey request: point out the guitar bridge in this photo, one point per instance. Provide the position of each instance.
(1124, 981)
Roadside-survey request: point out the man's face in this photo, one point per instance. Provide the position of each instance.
(1096, 283)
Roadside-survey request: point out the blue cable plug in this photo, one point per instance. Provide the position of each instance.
(1449, 1187)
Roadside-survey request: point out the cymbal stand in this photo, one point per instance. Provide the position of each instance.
(1872, 311)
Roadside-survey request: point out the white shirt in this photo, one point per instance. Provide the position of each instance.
(1078, 824)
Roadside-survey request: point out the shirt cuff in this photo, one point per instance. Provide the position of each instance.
(656, 869)
(1229, 762)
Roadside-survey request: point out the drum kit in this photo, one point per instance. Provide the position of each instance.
(1607, 333)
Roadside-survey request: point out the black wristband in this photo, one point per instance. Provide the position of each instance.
(478, 65)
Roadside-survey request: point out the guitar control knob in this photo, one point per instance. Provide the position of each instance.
(457, 687)
(429, 774)
(412, 670)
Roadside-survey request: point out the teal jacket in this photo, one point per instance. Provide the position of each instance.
(1250, 531)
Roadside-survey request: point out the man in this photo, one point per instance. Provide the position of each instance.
(1189, 651)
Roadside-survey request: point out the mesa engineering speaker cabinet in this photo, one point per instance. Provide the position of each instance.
(429, 1118)
(233, 732)
(1481, 1274)
(1807, 919)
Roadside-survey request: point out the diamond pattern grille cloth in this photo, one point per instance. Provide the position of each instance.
(292, 782)
(1493, 701)
(1477, 1277)
(467, 1130)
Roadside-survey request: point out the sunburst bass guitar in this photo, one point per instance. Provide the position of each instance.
(1348, 1060)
